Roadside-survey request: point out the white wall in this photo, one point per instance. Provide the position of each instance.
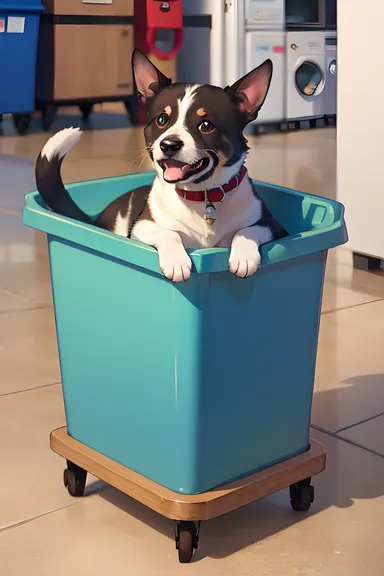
(360, 122)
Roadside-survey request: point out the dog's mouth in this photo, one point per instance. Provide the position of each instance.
(175, 171)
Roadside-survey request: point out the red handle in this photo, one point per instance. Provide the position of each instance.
(151, 40)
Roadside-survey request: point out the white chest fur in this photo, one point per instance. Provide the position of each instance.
(239, 209)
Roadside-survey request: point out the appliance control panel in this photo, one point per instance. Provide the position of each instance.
(264, 13)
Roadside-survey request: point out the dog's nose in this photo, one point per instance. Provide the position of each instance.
(171, 145)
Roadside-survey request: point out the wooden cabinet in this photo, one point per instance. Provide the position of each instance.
(92, 61)
(84, 55)
(79, 8)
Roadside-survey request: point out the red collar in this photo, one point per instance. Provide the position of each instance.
(214, 194)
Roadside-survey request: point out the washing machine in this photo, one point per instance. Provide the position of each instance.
(261, 45)
(305, 75)
(330, 87)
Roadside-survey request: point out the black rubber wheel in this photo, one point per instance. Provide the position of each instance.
(47, 116)
(21, 123)
(86, 108)
(302, 495)
(74, 479)
(187, 540)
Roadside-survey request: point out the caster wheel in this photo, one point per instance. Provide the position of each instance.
(132, 107)
(21, 123)
(75, 479)
(47, 116)
(302, 495)
(86, 109)
(187, 540)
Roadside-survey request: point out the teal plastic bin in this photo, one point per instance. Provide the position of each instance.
(192, 385)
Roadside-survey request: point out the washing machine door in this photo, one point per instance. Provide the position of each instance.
(309, 78)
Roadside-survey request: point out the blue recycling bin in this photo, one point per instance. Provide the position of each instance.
(197, 384)
(19, 29)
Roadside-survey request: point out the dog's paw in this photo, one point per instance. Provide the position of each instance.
(244, 259)
(175, 264)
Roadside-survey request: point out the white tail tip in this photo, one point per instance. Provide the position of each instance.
(61, 143)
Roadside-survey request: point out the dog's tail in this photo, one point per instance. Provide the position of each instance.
(48, 174)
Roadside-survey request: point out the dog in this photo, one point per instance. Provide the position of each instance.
(201, 196)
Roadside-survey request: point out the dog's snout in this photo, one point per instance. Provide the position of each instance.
(171, 145)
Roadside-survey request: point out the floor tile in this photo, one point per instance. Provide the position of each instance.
(336, 297)
(342, 535)
(369, 434)
(349, 385)
(24, 267)
(9, 302)
(17, 178)
(340, 271)
(28, 350)
(296, 160)
(31, 474)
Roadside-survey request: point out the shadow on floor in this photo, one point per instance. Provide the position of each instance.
(351, 473)
(97, 121)
(339, 408)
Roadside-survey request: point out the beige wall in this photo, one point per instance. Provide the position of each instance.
(360, 130)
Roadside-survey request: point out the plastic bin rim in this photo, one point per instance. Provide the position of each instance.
(9, 9)
(205, 260)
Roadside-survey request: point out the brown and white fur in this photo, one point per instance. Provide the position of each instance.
(194, 137)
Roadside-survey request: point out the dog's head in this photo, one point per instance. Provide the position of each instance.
(194, 133)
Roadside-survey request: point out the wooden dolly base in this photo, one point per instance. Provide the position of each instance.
(189, 510)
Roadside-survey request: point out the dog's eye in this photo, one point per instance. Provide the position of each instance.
(206, 127)
(162, 120)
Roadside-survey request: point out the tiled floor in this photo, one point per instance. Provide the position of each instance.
(45, 532)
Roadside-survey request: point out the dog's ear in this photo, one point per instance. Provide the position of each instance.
(250, 91)
(148, 79)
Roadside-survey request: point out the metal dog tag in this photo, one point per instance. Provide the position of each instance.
(210, 213)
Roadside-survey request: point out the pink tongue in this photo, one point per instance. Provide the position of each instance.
(173, 173)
